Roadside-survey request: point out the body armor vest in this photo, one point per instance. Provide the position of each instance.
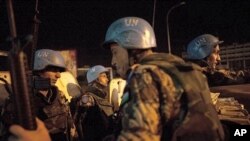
(101, 100)
(54, 110)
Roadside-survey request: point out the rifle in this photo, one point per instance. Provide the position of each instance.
(35, 28)
(20, 79)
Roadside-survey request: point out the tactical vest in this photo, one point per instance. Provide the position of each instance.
(93, 122)
(102, 102)
(201, 121)
(55, 114)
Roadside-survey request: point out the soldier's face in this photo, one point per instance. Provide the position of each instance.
(52, 73)
(103, 79)
(214, 57)
(120, 60)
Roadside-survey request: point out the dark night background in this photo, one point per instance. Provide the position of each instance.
(82, 24)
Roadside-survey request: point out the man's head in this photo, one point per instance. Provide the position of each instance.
(98, 74)
(130, 34)
(48, 64)
(205, 47)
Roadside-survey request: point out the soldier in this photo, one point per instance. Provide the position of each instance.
(51, 105)
(205, 51)
(167, 99)
(94, 115)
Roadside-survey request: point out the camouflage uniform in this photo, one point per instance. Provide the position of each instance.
(54, 111)
(159, 109)
(168, 99)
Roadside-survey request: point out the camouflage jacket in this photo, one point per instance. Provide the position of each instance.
(156, 103)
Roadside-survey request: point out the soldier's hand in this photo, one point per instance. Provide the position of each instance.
(21, 134)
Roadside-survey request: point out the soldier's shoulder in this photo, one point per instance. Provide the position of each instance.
(150, 73)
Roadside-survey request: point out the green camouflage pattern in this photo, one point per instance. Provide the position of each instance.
(169, 100)
(141, 120)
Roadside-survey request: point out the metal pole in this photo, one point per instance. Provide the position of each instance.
(11, 19)
(153, 21)
(169, 11)
(35, 28)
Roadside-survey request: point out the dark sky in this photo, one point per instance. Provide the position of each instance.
(81, 25)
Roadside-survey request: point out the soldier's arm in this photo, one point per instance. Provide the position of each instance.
(141, 119)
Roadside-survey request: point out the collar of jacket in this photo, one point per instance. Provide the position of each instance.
(97, 90)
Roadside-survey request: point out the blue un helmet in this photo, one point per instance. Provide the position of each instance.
(131, 33)
(47, 57)
(202, 46)
(94, 72)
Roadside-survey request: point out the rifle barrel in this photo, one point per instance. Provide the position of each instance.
(11, 18)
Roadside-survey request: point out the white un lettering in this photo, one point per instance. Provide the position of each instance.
(131, 22)
(200, 41)
(43, 54)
